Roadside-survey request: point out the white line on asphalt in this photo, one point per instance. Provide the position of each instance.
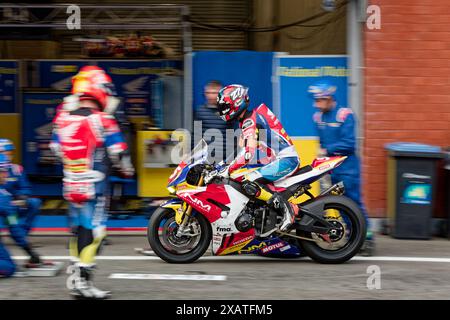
(403, 259)
(126, 258)
(150, 276)
(254, 258)
(146, 252)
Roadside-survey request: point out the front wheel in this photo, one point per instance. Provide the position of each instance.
(162, 237)
(347, 237)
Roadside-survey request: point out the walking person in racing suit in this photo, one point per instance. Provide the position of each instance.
(20, 189)
(9, 214)
(277, 153)
(83, 135)
(336, 130)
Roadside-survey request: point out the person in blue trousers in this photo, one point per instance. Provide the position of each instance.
(20, 189)
(8, 213)
(336, 129)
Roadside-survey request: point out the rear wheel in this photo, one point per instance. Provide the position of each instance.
(162, 237)
(348, 234)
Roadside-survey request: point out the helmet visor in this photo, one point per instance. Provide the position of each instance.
(224, 108)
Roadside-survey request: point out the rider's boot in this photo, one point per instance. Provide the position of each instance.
(274, 200)
(283, 208)
(82, 286)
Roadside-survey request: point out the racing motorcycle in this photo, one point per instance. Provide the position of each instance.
(329, 228)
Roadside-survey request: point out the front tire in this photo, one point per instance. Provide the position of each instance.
(318, 251)
(161, 237)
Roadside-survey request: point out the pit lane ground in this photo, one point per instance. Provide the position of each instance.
(405, 274)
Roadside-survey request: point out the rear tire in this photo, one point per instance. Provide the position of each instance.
(356, 241)
(154, 237)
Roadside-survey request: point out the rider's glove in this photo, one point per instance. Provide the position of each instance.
(216, 174)
(224, 173)
(220, 166)
(122, 164)
(210, 176)
(127, 172)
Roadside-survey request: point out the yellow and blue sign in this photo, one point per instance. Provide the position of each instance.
(294, 74)
(9, 85)
(154, 165)
(137, 82)
(294, 106)
(57, 74)
(39, 109)
(10, 129)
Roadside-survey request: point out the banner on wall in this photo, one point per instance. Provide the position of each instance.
(56, 74)
(39, 162)
(133, 85)
(294, 74)
(133, 79)
(39, 110)
(9, 85)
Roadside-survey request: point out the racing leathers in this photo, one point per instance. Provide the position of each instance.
(265, 142)
(82, 137)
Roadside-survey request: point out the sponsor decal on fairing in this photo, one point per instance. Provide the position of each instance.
(272, 247)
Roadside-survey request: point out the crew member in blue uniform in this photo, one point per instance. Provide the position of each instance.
(19, 188)
(8, 213)
(336, 129)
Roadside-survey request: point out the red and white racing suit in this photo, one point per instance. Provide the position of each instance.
(82, 138)
(274, 152)
(275, 156)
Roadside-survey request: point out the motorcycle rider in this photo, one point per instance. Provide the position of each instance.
(336, 130)
(82, 136)
(19, 187)
(277, 155)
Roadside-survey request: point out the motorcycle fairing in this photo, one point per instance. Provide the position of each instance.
(214, 203)
(173, 203)
(320, 167)
(228, 244)
(179, 175)
(270, 247)
(247, 243)
(239, 174)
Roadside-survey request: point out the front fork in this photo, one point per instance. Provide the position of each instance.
(183, 220)
(183, 216)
